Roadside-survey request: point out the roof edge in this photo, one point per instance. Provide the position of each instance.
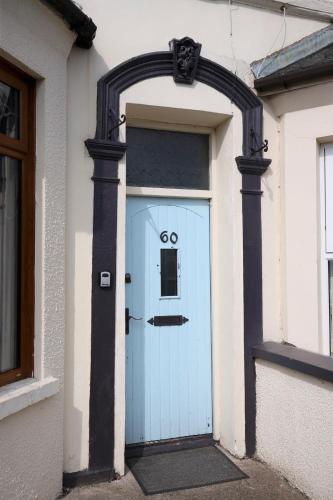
(305, 47)
(278, 82)
(78, 21)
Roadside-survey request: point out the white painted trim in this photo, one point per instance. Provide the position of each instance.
(169, 193)
(214, 322)
(324, 260)
(226, 264)
(120, 348)
(19, 395)
(173, 127)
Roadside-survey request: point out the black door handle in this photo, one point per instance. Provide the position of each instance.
(127, 318)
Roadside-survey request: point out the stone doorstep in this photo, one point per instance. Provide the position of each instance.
(263, 484)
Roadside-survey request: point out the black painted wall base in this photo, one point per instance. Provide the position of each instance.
(84, 477)
(168, 445)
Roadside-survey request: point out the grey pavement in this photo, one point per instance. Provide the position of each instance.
(263, 484)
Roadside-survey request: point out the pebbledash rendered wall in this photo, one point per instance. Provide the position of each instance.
(31, 411)
(295, 427)
(127, 29)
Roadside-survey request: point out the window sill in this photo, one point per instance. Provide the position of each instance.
(19, 395)
(310, 363)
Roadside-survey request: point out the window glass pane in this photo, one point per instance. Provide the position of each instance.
(169, 283)
(9, 110)
(160, 158)
(330, 285)
(328, 195)
(10, 174)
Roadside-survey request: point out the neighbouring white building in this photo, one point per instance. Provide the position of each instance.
(166, 236)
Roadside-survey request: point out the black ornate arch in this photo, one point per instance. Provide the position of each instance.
(156, 64)
(106, 150)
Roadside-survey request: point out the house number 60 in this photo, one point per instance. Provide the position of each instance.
(164, 237)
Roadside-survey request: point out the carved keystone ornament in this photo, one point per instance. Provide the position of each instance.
(186, 53)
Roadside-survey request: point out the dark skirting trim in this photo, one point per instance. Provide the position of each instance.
(300, 360)
(188, 443)
(83, 477)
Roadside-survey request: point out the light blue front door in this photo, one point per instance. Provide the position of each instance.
(168, 351)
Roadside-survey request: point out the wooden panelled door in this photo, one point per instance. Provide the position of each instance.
(168, 326)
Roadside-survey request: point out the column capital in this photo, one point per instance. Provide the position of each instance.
(105, 150)
(252, 165)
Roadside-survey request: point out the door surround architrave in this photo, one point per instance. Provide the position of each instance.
(106, 150)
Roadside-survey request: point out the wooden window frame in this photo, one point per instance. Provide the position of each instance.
(23, 149)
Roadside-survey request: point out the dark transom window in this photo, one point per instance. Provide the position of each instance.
(162, 158)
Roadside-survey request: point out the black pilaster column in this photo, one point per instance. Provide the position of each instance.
(251, 169)
(101, 424)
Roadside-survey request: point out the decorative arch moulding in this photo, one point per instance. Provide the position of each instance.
(157, 64)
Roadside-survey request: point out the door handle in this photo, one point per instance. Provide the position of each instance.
(127, 318)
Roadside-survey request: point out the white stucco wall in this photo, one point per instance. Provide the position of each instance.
(127, 29)
(271, 230)
(78, 266)
(295, 427)
(31, 441)
(305, 122)
(148, 26)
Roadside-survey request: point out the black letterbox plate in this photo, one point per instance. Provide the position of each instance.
(167, 320)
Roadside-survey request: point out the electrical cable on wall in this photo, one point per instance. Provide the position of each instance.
(231, 38)
(283, 26)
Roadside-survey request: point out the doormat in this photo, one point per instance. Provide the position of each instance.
(182, 470)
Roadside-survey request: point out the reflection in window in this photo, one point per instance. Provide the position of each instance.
(10, 173)
(169, 282)
(330, 285)
(9, 111)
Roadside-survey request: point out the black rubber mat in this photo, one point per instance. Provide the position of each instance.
(180, 470)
